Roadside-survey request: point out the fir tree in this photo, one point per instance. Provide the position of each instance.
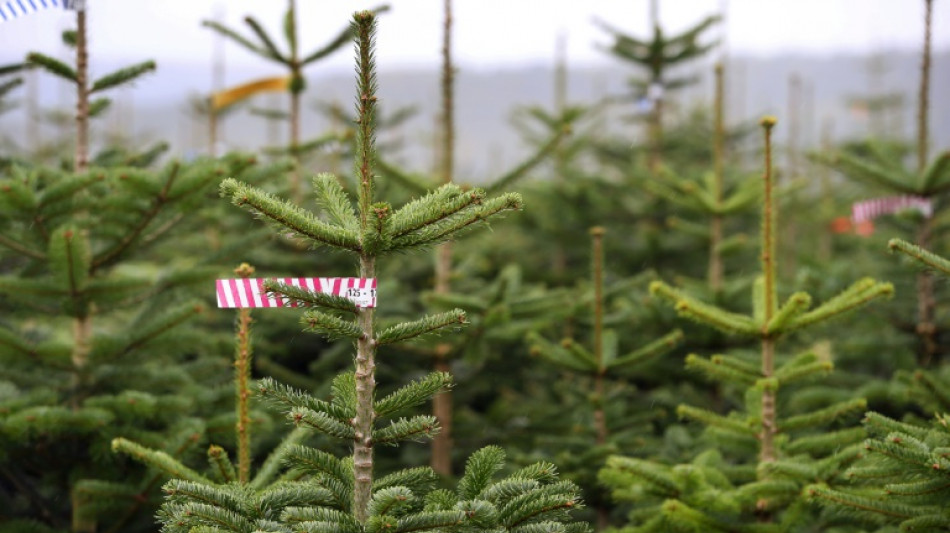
(97, 340)
(443, 353)
(711, 494)
(902, 476)
(347, 494)
(599, 364)
(292, 60)
(882, 167)
(85, 87)
(657, 55)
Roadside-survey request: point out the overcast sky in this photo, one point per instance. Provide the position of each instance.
(487, 33)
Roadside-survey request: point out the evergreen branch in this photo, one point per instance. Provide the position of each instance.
(791, 374)
(714, 368)
(834, 498)
(288, 493)
(932, 521)
(157, 459)
(717, 317)
(443, 231)
(415, 184)
(52, 65)
(936, 173)
(345, 36)
(710, 418)
(416, 428)
(390, 500)
(162, 324)
(330, 326)
(14, 342)
(858, 169)
(161, 199)
(826, 443)
(920, 255)
(236, 37)
(545, 501)
(823, 416)
(206, 518)
(419, 479)
(188, 491)
(288, 397)
(323, 422)
(221, 463)
(304, 148)
(122, 76)
(655, 349)
(782, 489)
(527, 165)
(13, 68)
(97, 107)
(507, 489)
(560, 355)
(796, 304)
(413, 394)
(9, 85)
(880, 424)
(478, 304)
(480, 468)
(335, 202)
(306, 298)
(70, 259)
(859, 294)
(21, 248)
(289, 216)
(436, 206)
(426, 521)
(923, 487)
(320, 464)
(269, 47)
(426, 325)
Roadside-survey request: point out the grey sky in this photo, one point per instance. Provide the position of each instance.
(487, 32)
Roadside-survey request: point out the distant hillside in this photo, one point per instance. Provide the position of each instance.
(487, 143)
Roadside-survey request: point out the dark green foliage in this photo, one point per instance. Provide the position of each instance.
(117, 354)
(321, 492)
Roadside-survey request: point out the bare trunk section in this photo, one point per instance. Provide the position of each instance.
(441, 460)
(769, 426)
(715, 272)
(365, 412)
(242, 368)
(81, 161)
(926, 303)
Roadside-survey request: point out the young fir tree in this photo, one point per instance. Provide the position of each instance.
(97, 338)
(443, 353)
(721, 490)
(348, 494)
(657, 56)
(598, 369)
(883, 168)
(85, 87)
(708, 197)
(293, 61)
(903, 476)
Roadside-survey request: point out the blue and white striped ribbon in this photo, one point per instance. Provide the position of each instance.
(10, 9)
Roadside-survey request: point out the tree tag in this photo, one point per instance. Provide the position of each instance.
(249, 292)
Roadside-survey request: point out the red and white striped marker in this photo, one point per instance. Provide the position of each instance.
(871, 209)
(249, 292)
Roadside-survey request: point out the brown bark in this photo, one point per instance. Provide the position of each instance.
(441, 459)
(81, 160)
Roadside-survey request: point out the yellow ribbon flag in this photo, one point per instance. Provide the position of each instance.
(222, 99)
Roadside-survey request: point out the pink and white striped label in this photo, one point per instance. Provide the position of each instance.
(871, 209)
(249, 292)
